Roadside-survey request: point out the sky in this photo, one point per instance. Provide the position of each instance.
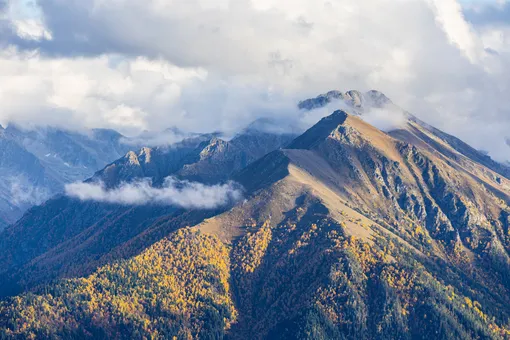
(216, 65)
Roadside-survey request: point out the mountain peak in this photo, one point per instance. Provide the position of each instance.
(321, 100)
(353, 98)
(213, 146)
(319, 131)
(377, 99)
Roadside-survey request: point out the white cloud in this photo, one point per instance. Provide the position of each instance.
(31, 29)
(449, 15)
(386, 118)
(22, 192)
(163, 138)
(184, 194)
(209, 65)
(104, 91)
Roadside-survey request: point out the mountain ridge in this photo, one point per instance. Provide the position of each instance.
(105, 227)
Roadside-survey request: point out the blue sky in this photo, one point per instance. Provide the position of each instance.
(25, 9)
(28, 8)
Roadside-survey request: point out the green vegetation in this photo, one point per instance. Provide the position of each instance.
(305, 278)
(178, 287)
(308, 279)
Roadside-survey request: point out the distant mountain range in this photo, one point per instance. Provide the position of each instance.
(345, 232)
(35, 164)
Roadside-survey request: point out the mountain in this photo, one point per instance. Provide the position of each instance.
(354, 98)
(206, 158)
(411, 129)
(66, 237)
(35, 164)
(71, 156)
(345, 232)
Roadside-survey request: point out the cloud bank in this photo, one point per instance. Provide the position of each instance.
(209, 65)
(184, 194)
(386, 118)
(156, 139)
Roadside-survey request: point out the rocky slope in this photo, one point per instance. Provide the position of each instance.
(352, 233)
(346, 232)
(361, 104)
